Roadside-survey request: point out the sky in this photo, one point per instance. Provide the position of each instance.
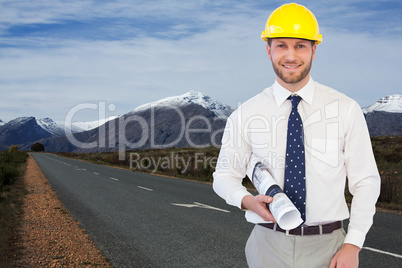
(57, 55)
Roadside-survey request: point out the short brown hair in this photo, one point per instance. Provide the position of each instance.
(269, 41)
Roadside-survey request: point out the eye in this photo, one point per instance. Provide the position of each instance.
(300, 46)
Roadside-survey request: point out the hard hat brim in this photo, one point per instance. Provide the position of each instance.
(265, 37)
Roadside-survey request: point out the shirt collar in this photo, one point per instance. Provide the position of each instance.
(281, 94)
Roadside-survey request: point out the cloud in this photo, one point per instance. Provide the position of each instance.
(359, 65)
(57, 54)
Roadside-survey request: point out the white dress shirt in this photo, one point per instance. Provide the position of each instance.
(337, 145)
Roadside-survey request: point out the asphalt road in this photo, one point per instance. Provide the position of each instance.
(142, 220)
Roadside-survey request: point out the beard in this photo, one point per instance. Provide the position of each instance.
(293, 78)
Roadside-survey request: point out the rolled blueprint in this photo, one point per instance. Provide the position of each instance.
(285, 213)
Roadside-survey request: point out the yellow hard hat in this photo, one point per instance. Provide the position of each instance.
(294, 21)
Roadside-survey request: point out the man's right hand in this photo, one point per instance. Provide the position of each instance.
(258, 204)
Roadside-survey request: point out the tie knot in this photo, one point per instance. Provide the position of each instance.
(295, 99)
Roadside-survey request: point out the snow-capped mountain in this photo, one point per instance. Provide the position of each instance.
(189, 120)
(22, 130)
(192, 97)
(88, 125)
(384, 118)
(19, 121)
(56, 128)
(160, 122)
(25, 130)
(2, 122)
(390, 104)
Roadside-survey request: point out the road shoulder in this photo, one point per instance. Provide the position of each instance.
(48, 236)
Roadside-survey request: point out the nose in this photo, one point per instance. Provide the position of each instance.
(291, 54)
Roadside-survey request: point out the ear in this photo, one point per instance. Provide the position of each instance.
(269, 51)
(314, 48)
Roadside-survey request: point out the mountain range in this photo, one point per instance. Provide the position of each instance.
(189, 120)
(384, 118)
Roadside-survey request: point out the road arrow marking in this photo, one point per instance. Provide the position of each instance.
(199, 205)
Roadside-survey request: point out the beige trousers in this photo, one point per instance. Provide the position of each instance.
(267, 248)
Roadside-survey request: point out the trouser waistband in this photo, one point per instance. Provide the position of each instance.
(306, 230)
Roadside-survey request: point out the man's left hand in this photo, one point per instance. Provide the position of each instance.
(346, 257)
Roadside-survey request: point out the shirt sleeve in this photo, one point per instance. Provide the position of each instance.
(232, 163)
(363, 178)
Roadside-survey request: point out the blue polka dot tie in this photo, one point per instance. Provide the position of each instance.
(295, 179)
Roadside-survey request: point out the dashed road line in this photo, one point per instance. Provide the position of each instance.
(114, 179)
(96, 173)
(383, 252)
(144, 188)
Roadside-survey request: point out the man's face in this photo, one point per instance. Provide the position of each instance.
(291, 59)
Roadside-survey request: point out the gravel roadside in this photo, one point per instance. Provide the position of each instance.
(48, 236)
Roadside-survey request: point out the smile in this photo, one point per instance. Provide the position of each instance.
(291, 67)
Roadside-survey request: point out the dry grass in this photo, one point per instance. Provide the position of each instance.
(11, 200)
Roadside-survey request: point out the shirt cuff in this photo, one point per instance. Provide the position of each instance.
(355, 237)
(238, 197)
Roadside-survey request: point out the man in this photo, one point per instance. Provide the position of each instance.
(334, 142)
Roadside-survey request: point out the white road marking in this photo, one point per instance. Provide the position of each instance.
(81, 169)
(384, 252)
(96, 173)
(144, 188)
(200, 205)
(62, 162)
(114, 179)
